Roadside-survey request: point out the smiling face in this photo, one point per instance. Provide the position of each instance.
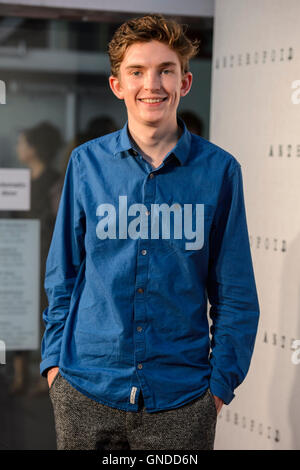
(151, 83)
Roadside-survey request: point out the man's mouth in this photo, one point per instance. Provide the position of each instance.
(152, 100)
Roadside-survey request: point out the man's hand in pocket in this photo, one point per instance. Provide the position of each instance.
(51, 375)
(219, 403)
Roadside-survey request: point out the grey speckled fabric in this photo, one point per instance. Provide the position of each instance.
(84, 424)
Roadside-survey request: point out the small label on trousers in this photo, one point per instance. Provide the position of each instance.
(132, 395)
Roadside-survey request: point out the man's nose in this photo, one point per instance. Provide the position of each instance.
(152, 81)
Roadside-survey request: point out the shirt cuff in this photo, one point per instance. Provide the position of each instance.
(52, 361)
(221, 391)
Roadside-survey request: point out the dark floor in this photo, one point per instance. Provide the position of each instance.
(26, 421)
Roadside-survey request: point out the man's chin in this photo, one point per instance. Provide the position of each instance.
(154, 120)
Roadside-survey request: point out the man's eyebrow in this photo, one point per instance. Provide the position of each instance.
(138, 66)
(167, 64)
(134, 67)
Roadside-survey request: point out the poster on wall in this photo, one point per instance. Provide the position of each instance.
(255, 115)
(14, 189)
(19, 283)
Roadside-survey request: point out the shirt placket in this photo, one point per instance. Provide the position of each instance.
(141, 298)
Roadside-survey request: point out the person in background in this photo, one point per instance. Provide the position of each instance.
(192, 122)
(37, 148)
(100, 125)
(96, 127)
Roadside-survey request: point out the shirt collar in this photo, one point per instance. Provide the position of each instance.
(181, 149)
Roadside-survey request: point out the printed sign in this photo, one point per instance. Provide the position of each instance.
(19, 283)
(14, 189)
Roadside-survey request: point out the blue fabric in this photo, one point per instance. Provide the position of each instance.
(121, 319)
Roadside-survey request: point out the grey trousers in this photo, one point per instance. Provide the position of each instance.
(84, 424)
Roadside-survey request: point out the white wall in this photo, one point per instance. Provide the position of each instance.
(253, 113)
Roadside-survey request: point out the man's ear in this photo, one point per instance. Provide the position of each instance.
(186, 83)
(115, 85)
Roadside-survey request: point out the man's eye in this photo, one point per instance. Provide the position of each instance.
(166, 71)
(136, 73)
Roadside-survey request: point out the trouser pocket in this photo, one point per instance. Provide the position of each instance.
(54, 380)
(212, 400)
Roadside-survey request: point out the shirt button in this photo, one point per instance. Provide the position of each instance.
(140, 366)
(151, 175)
(140, 290)
(139, 328)
(147, 212)
(144, 252)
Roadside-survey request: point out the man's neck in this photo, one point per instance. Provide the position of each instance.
(37, 168)
(154, 142)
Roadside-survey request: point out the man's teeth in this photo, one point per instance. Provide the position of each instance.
(148, 100)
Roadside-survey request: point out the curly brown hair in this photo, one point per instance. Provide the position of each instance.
(152, 28)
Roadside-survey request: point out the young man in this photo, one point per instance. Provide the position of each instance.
(151, 224)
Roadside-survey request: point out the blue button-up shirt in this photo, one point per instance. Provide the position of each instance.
(128, 300)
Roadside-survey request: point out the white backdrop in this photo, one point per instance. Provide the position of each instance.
(255, 115)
